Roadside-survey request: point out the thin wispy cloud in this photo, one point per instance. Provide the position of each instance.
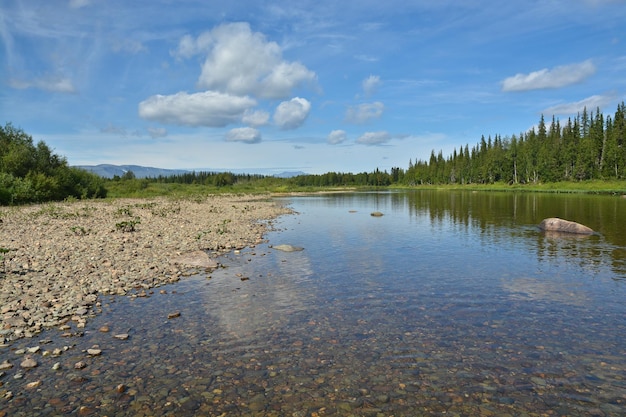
(52, 84)
(557, 77)
(374, 138)
(590, 103)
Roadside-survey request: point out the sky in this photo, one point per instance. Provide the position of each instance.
(312, 86)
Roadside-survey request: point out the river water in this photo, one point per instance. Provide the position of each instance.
(451, 303)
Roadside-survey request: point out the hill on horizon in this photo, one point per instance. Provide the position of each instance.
(110, 171)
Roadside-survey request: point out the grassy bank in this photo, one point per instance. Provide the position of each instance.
(587, 187)
(138, 188)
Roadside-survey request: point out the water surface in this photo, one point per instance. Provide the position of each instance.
(451, 302)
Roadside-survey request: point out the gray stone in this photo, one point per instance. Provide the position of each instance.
(554, 224)
(29, 363)
(288, 248)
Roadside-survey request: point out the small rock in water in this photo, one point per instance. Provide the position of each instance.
(29, 363)
(32, 385)
(86, 411)
(104, 329)
(121, 336)
(376, 214)
(56, 366)
(6, 365)
(94, 352)
(173, 315)
(288, 248)
(80, 365)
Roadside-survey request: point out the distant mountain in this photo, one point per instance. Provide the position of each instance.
(109, 171)
(289, 174)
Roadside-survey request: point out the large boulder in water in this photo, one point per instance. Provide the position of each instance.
(554, 224)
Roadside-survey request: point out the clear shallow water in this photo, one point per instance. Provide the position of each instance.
(450, 302)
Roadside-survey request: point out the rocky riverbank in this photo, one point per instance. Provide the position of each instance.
(63, 256)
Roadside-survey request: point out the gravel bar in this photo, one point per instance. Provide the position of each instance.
(63, 256)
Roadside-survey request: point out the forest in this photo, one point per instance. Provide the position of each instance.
(590, 146)
(32, 173)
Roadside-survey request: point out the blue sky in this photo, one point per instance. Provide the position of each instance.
(311, 86)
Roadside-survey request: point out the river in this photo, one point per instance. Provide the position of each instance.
(451, 302)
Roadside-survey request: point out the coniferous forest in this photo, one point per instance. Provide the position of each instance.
(588, 147)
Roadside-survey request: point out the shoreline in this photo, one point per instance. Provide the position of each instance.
(64, 256)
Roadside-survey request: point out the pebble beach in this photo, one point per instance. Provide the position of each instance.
(59, 258)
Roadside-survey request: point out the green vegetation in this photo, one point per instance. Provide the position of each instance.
(3, 251)
(590, 147)
(32, 173)
(128, 225)
(585, 154)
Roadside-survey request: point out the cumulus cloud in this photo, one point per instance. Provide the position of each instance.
(336, 137)
(591, 103)
(550, 78)
(244, 134)
(292, 114)
(374, 138)
(207, 108)
(364, 112)
(370, 84)
(52, 84)
(255, 118)
(243, 62)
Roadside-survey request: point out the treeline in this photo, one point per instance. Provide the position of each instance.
(218, 179)
(375, 178)
(590, 146)
(31, 173)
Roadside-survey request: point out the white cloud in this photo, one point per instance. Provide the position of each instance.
(244, 134)
(336, 137)
(243, 62)
(255, 118)
(364, 112)
(591, 103)
(555, 78)
(374, 138)
(208, 108)
(157, 132)
(370, 84)
(52, 84)
(292, 114)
